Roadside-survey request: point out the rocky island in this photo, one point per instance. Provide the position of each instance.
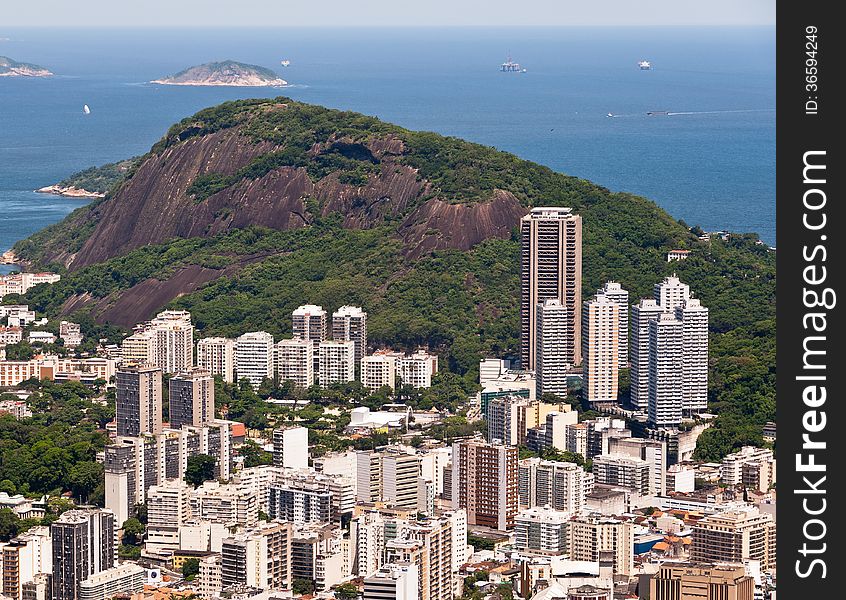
(227, 72)
(13, 68)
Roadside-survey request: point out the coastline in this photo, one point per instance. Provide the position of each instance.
(69, 192)
(275, 83)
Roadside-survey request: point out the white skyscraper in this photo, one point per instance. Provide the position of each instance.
(552, 355)
(173, 349)
(295, 362)
(309, 322)
(254, 357)
(642, 313)
(217, 355)
(337, 362)
(349, 323)
(666, 348)
(615, 293)
(694, 318)
(600, 350)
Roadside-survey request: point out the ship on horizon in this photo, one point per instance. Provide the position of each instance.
(509, 66)
(645, 65)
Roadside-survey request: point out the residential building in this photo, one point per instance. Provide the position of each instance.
(70, 333)
(378, 370)
(259, 557)
(217, 355)
(484, 482)
(126, 579)
(209, 579)
(592, 534)
(666, 364)
(224, 503)
(138, 400)
(168, 508)
(553, 351)
(646, 311)
(337, 362)
(191, 398)
(173, 346)
(395, 581)
(417, 369)
(400, 477)
(734, 536)
(254, 357)
(694, 318)
(614, 292)
(625, 471)
(691, 581)
(349, 323)
(22, 558)
(290, 447)
(651, 451)
(317, 555)
(295, 362)
(83, 545)
(309, 322)
(671, 293)
(560, 485)
(600, 350)
(551, 268)
(542, 531)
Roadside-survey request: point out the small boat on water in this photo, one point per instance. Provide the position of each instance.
(610, 115)
(86, 110)
(645, 65)
(509, 66)
(285, 63)
(653, 113)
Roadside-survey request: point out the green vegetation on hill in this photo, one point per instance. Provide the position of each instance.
(101, 179)
(464, 305)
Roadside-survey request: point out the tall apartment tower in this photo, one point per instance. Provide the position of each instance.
(600, 350)
(349, 323)
(295, 362)
(551, 268)
(138, 400)
(671, 292)
(614, 292)
(259, 557)
(83, 544)
(643, 313)
(290, 447)
(174, 340)
(666, 348)
(484, 482)
(694, 318)
(254, 357)
(191, 398)
(552, 347)
(400, 476)
(217, 355)
(309, 322)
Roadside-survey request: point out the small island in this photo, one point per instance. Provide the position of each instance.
(227, 72)
(13, 68)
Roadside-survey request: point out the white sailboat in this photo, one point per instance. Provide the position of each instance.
(286, 63)
(86, 110)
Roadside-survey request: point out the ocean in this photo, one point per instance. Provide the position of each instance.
(711, 161)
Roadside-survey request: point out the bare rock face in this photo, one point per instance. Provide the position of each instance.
(436, 225)
(155, 205)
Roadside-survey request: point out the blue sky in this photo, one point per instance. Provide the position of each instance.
(281, 13)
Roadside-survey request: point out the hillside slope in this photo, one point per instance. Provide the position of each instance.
(245, 210)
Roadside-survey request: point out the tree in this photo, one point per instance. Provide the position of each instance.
(346, 591)
(254, 455)
(200, 468)
(190, 568)
(84, 477)
(303, 586)
(9, 524)
(132, 530)
(8, 487)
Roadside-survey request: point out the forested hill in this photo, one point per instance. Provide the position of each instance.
(248, 209)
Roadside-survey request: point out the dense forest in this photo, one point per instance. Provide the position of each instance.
(462, 304)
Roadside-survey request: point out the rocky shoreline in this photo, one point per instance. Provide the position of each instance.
(241, 83)
(69, 192)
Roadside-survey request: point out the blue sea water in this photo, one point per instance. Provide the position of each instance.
(711, 163)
